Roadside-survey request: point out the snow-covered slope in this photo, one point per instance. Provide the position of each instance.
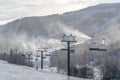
(26, 35)
(30, 32)
(94, 18)
(14, 72)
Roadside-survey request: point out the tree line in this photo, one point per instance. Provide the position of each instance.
(83, 62)
(16, 57)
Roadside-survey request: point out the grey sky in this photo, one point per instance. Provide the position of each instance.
(12, 9)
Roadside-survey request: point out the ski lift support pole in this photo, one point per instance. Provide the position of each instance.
(68, 40)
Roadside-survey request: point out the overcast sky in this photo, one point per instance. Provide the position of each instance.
(12, 9)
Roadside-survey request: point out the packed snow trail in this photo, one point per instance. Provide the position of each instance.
(15, 72)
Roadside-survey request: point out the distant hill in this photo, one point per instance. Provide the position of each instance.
(101, 20)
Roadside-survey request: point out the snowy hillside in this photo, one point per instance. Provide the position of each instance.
(28, 36)
(93, 19)
(14, 72)
(28, 33)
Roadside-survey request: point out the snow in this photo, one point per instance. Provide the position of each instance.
(15, 72)
(97, 74)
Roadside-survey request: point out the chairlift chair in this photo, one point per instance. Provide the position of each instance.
(37, 55)
(98, 47)
(47, 54)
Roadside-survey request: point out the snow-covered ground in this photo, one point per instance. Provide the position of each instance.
(15, 72)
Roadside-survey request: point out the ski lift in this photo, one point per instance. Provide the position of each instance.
(37, 55)
(96, 47)
(47, 54)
